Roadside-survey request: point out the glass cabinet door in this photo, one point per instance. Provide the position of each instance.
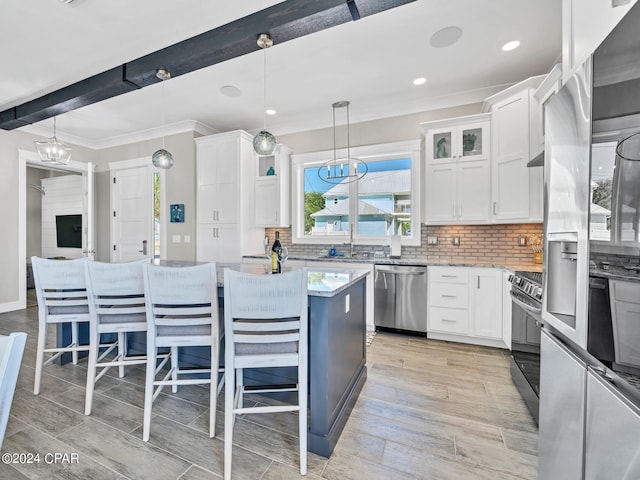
(473, 142)
(442, 146)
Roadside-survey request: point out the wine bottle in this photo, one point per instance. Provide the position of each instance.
(276, 251)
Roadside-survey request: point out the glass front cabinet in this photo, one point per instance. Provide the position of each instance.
(455, 141)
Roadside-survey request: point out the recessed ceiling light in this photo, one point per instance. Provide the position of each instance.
(270, 111)
(230, 91)
(420, 81)
(510, 46)
(445, 37)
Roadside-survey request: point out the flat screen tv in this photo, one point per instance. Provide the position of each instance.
(69, 231)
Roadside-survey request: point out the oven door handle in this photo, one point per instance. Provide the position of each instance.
(527, 307)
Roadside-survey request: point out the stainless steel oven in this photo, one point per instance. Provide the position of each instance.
(526, 321)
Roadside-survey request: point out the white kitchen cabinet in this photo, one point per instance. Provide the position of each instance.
(486, 294)
(506, 308)
(225, 195)
(585, 24)
(457, 179)
(273, 187)
(516, 190)
(625, 318)
(543, 94)
(458, 139)
(465, 305)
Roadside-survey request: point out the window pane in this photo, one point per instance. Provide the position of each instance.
(326, 205)
(384, 199)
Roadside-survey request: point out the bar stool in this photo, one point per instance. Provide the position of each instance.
(116, 305)
(266, 326)
(182, 311)
(62, 298)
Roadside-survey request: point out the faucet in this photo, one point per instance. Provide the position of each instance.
(352, 248)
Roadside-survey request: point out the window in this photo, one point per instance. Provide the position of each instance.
(385, 202)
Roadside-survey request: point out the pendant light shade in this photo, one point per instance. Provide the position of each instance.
(162, 158)
(264, 143)
(53, 151)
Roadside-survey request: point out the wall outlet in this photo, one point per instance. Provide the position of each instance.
(432, 240)
(522, 241)
(456, 241)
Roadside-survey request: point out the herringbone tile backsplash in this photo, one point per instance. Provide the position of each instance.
(478, 244)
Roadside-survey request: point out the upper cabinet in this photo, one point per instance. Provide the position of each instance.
(585, 24)
(459, 139)
(543, 94)
(273, 189)
(516, 189)
(457, 178)
(225, 182)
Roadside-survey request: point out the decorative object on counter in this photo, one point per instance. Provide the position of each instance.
(162, 158)
(334, 169)
(536, 246)
(276, 252)
(271, 172)
(264, 143)
(177, 213)
(53, 151)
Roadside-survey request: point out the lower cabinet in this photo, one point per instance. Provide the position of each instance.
(625, 317)
(465, 305)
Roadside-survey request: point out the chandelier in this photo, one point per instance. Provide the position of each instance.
(162, 158)
(53, 151)
(342, 169)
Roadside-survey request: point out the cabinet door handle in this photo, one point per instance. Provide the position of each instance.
(495, 208)
(449, 296)
(446, 320)
(478, 277)
(453, 213)
(449, 276)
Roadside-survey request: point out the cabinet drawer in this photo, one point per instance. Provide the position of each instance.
(625, 291)
(449, 295)
(449, 320)
(449, 274)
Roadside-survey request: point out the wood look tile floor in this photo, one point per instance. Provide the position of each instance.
(429, 410)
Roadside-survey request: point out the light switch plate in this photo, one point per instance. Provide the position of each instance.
(456, 241)
(187, 239)
(175, 238)
(432, 240)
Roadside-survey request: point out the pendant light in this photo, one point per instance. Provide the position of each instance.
(342, 169)
(162, 158)
(53, 151)
(264, 143)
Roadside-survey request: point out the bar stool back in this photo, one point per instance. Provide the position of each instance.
(182, 311)
(62, 298)
(266, 326)
(116, 303)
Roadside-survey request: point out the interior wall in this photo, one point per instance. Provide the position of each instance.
(63, 196)
(179, 188)
(386, 130)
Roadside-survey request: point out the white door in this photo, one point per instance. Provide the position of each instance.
(132, 214)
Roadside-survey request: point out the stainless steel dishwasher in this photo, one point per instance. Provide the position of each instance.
(400, 297)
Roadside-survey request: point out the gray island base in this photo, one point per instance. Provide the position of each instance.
(337, 349)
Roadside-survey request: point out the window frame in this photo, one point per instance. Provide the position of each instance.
(369, 153)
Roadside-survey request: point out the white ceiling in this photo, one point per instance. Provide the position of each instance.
(48, 44)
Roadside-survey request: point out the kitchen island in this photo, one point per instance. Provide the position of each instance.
(337, 348)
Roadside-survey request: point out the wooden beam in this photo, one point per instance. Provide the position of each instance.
(283, 21)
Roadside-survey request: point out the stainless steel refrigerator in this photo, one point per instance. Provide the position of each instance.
(589, 424)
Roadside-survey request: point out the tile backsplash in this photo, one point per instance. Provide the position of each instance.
(478, 244)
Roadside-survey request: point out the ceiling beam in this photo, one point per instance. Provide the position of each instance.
(284, 21)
